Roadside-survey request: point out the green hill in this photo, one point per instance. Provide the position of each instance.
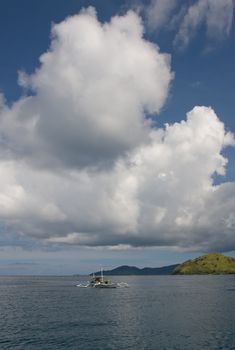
(212, 263)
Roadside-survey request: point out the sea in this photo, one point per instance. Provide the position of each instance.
(155, 312)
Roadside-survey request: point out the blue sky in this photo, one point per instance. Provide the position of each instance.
(85, 181)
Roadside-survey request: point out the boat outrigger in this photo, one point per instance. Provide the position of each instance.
(101, 282)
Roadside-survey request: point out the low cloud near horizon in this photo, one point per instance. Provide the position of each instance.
(81, 162)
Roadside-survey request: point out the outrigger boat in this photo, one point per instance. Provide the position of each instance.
(101, 282)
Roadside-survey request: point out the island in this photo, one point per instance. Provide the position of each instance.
(211, 263)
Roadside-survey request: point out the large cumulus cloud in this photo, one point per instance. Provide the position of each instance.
(94, 84)
(82, 164)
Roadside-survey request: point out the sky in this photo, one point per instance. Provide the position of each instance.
(116, 133)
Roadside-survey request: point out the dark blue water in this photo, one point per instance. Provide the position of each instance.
(165, 312)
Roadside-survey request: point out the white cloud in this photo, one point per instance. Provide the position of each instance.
(217, 16)
(159, 13)
(187, 18)
(161, 194)
(91, 95)
(87, 96)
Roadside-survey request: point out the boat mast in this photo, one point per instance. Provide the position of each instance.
(102, 274)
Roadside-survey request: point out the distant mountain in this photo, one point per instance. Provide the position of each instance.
(135, 271)
(212, 263)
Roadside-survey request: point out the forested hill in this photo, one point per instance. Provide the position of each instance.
(212, 263)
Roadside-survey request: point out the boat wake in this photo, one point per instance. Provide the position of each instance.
(117, 285)
(123, 285)
(82, 285)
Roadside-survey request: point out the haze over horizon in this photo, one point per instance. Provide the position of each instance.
(116, 133)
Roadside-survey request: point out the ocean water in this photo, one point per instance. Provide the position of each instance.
(157, 312)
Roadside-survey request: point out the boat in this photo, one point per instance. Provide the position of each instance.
(101, 282)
